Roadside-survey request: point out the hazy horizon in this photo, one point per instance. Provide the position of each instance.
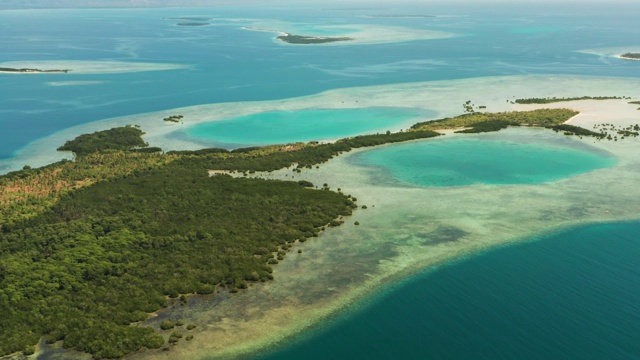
(41, 4)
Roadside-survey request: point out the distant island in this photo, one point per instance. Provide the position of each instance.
(631, 56)
(191, 20)
(300, 39)
(31, 71)
(555, 99)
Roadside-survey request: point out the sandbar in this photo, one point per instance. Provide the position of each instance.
(88, 67)
(358, 34)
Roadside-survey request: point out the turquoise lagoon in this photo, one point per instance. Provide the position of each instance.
(484, 159)
(278, 127)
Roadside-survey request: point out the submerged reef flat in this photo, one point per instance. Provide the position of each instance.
(83, 67)
(401, 16)
(189, 18)
(75, 83)
(192, 24)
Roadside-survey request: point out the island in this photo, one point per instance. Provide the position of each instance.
(550, 100)
(630, 56)
(31, 71)
(301, 39)
(93, 248)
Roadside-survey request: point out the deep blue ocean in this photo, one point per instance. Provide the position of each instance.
(571, 295)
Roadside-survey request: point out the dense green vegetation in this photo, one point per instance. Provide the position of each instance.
(122, 138)
(488, 126)
(91, 246)
(575, 130)
(497, 121)
(174, 118)
(300, 39)
(555, 99)
(305, 155)
(631, 55)
(29, 192)
(104, 256)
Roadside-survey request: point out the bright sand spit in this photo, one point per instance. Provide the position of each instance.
(87, 67)
(345, 264)
(614, 52)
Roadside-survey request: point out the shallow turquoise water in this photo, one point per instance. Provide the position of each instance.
(474, 160)
(279, 127)
(573, 295)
